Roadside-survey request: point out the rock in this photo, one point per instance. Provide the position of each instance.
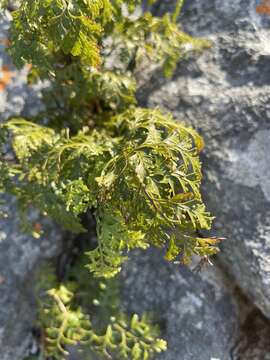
(20, 257)
(253, 341)
(225, 94)
(20, 254)
(16, 98)
(203, 316)
(198, 313)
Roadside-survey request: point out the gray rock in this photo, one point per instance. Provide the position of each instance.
(198, 313)
(253, 341)
(16, 98)
(20, 257)
(225, 94)
(20, 254)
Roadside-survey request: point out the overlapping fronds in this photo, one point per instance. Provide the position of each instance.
(141, 174)
(93, 150)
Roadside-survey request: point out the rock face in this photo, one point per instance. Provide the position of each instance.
(198, 313)
(225, 94)
(19, 256)
(19, 253)
(253, 340)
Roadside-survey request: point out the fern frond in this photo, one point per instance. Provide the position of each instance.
(63, 325)
(133, 338)
(50, 27)
(142, 174)
(66, 323)
(159, 40)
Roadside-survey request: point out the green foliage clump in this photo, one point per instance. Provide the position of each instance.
(65, 320)
(92, 149)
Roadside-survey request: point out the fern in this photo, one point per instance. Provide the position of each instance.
(93, 150)
(136, 168)
(66, 322)
(49, 28)
(144, 183)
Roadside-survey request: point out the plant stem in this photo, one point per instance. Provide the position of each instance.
(177, 10)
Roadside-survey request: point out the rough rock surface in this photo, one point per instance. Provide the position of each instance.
(20, 256)
(19, 253)
(198, 313)
(253, 341)
(203, 316)
(225, 94)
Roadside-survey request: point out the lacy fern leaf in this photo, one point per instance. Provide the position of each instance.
(66, 323)
(142, 175)
(92, 150)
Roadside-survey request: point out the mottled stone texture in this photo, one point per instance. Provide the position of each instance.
(225, 94)
(198, 313)
(20, 254)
